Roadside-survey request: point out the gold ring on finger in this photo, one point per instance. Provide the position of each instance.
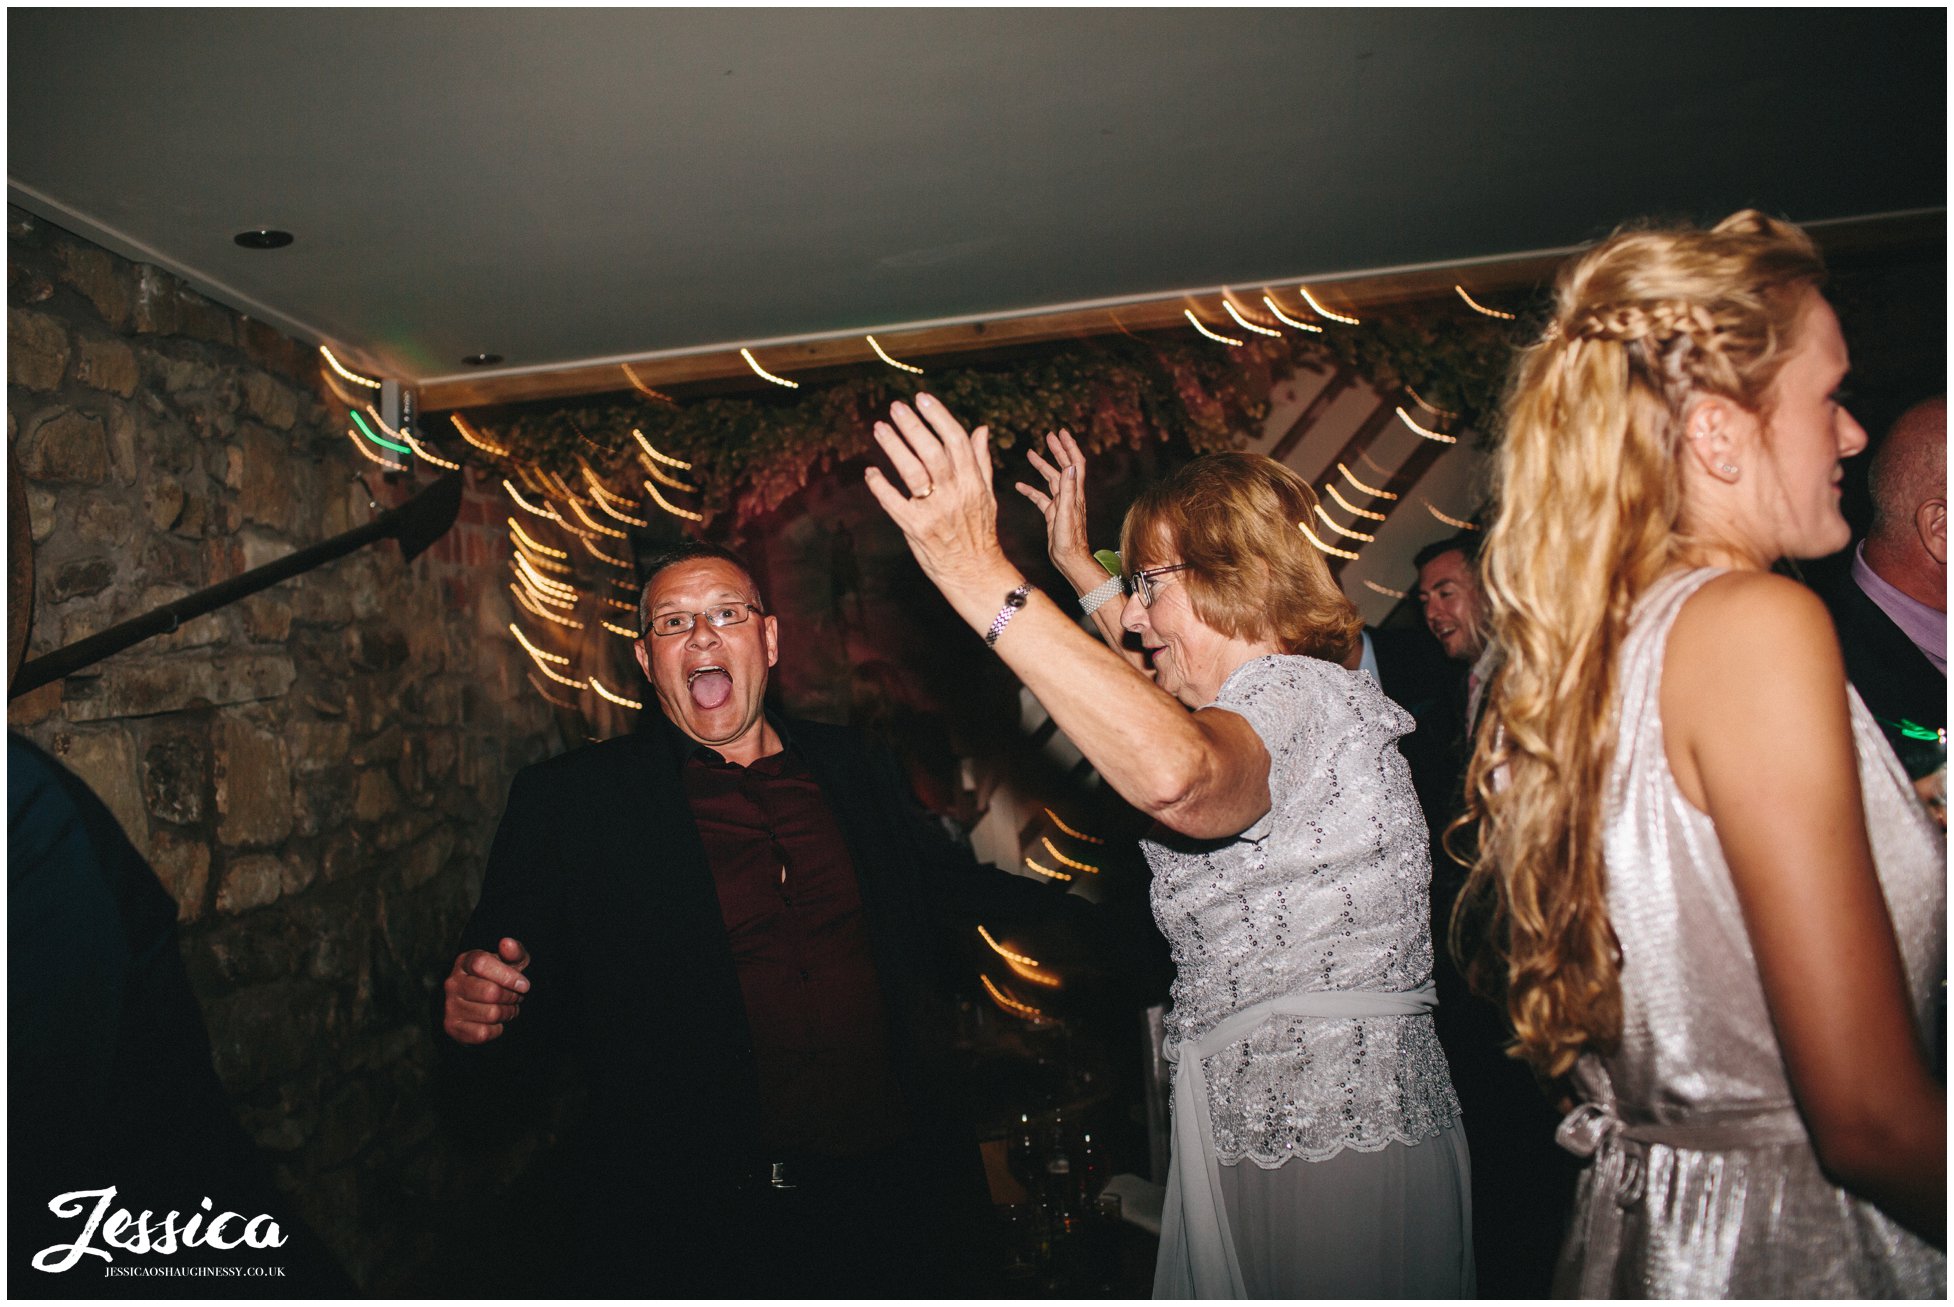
(925, 492)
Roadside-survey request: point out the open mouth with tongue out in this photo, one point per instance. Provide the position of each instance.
(711, 686)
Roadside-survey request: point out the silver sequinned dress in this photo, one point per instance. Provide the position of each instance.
(1704, 1183)
(1332, 1139)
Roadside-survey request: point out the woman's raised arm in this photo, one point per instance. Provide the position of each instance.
(1203, 774)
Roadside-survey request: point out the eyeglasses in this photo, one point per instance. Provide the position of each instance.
(718, 616)
(1142, 583)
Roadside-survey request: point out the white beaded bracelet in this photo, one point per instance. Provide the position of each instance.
(1090, 602)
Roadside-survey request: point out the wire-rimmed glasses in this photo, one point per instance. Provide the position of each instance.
(718, 617)
(1142, 583)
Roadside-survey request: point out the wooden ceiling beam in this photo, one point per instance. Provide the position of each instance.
(796, 360)
(1500, 283)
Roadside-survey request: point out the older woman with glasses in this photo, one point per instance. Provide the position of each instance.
(1317, 1150)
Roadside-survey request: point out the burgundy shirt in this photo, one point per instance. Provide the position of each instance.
(793, 911)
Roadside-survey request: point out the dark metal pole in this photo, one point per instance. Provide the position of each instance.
(417, 524)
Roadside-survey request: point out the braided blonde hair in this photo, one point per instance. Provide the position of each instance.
(1588, 494)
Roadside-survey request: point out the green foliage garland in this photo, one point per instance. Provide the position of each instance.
(751, 453)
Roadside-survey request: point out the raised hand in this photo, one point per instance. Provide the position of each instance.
(949, 515)
(1063, 502)
(484, 992)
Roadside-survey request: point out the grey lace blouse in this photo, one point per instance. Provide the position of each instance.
(1328, 891)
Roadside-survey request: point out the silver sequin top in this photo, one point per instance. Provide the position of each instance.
(1757, 1219)
(1328, 891)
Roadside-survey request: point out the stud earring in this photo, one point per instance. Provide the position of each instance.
(1728, 469)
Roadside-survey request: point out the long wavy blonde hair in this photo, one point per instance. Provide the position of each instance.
(1588, 492)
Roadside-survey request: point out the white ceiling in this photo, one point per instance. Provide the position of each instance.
(565, 185)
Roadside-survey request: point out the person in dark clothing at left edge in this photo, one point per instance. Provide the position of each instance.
(111, 1097)
(732, 921)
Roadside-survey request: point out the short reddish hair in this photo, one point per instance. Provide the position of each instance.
(1235, 520)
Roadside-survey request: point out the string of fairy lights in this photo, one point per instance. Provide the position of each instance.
(571, 576)
(1340, 540)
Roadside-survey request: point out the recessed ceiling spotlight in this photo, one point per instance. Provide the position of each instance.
(482, 360)
(266, 239)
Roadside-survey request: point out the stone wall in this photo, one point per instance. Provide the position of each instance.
(316, 771)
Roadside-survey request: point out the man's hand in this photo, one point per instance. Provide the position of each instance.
(484, 992)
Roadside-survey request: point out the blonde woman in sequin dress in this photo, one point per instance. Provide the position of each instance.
(1716, 902)
(1317, 1150)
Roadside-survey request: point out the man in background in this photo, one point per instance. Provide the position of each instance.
(1891, 610)
(1522, 1182)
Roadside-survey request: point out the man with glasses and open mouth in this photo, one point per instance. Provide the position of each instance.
(733, 921)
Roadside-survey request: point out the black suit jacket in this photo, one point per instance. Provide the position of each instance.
(1414, 673)
(599, 870)
(1896, 680)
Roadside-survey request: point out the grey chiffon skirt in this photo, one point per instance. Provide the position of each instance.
(1396, 1223)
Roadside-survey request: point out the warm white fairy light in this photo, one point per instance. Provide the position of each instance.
(600, 493)
(1044, 979)
(567, 682)
(615, 629)
(1375, 492)
(1289, 321)
(1045, 871)
(1349, 507)
(1426, 432)
(342, 370)
(1003, 952)
(1456, 523)
(522, 598)
(476, 438)
(1325, 547)
(664, 478)
(1371, 463)
(523, 537)
(1059, 822)
(638, 384)
(1064, 861)
(661, 457)
(545, 512)
(577, 509)
(340, 392)
(381, 422)
(533, 482)
(1244, 323)
(603, 557)
(672, 508)
(540, 655)
(619, 604)
(1010, 1004)
(617, 699)
(1343, 531)
(362, 446)
(754, 363)
(1384, 589)
(562, 486)
(547, 564)
(426, 456)
(544, 691)
(560, 594)
(1428, 406)
(883, 354)
(1322, 312)
(612, 505)
(1225, 340)
(1477, 307)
